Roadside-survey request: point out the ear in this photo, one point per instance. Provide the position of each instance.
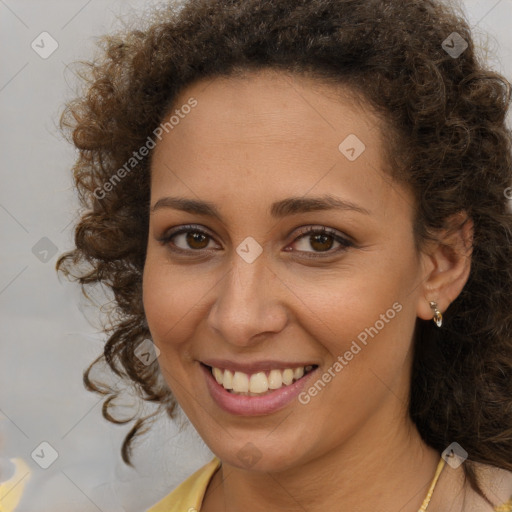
(446, 263)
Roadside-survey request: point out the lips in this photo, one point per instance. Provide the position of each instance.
(262, 402)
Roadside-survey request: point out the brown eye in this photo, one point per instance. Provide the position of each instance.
(187, 239)
(321, 240)
(196, 240)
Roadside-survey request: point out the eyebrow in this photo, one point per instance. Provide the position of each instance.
(279, 209)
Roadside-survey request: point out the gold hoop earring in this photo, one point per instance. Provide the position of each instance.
(438, 317)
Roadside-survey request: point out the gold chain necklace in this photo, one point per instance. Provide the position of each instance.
(426, 501)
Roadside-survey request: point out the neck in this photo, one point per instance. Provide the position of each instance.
(376, 469)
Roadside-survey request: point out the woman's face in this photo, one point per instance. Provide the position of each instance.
(247, 291)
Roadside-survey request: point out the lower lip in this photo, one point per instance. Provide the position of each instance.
(254, 405)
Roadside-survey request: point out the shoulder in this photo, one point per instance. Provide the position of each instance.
(497, 485)
(188, 496)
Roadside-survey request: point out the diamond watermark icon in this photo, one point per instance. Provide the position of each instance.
(147, 352)
(249, 455)
(44, 455)
(455, 455)
(352, 147)
(249, 250)
(44, 250)
(455, 45)
(44, 45)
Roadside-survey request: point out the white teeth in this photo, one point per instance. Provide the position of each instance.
(260, 382)
(218, 374)
(227, 379)
(288, 376)
(275, 379)
(240, 382)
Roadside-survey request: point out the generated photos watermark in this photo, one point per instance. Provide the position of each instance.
(343, 360)
(143, 151)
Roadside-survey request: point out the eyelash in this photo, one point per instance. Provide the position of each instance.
(344, 242)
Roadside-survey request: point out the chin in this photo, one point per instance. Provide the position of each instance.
(253, 456)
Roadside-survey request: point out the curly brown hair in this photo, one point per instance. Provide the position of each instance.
(448, 141)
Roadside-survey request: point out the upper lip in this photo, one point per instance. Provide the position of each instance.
(255, 366)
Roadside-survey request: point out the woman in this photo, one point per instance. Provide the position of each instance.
(301, 209)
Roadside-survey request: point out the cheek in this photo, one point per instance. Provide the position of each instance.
(365, 327)
(169, 297)
(367, 312)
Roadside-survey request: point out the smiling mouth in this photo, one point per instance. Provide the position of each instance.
(259, 383)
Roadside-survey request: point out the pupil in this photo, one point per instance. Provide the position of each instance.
(323, 239)
(193, 238)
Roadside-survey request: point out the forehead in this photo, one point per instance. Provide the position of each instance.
(275, 105)
(269, 132)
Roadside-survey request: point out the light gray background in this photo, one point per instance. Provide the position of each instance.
(48, 332)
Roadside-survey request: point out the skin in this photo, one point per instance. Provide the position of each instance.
(249, 142)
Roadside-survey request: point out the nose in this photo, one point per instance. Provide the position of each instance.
(249, 303)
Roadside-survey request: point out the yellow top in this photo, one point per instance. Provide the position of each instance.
(11, 490)
(189, 495)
